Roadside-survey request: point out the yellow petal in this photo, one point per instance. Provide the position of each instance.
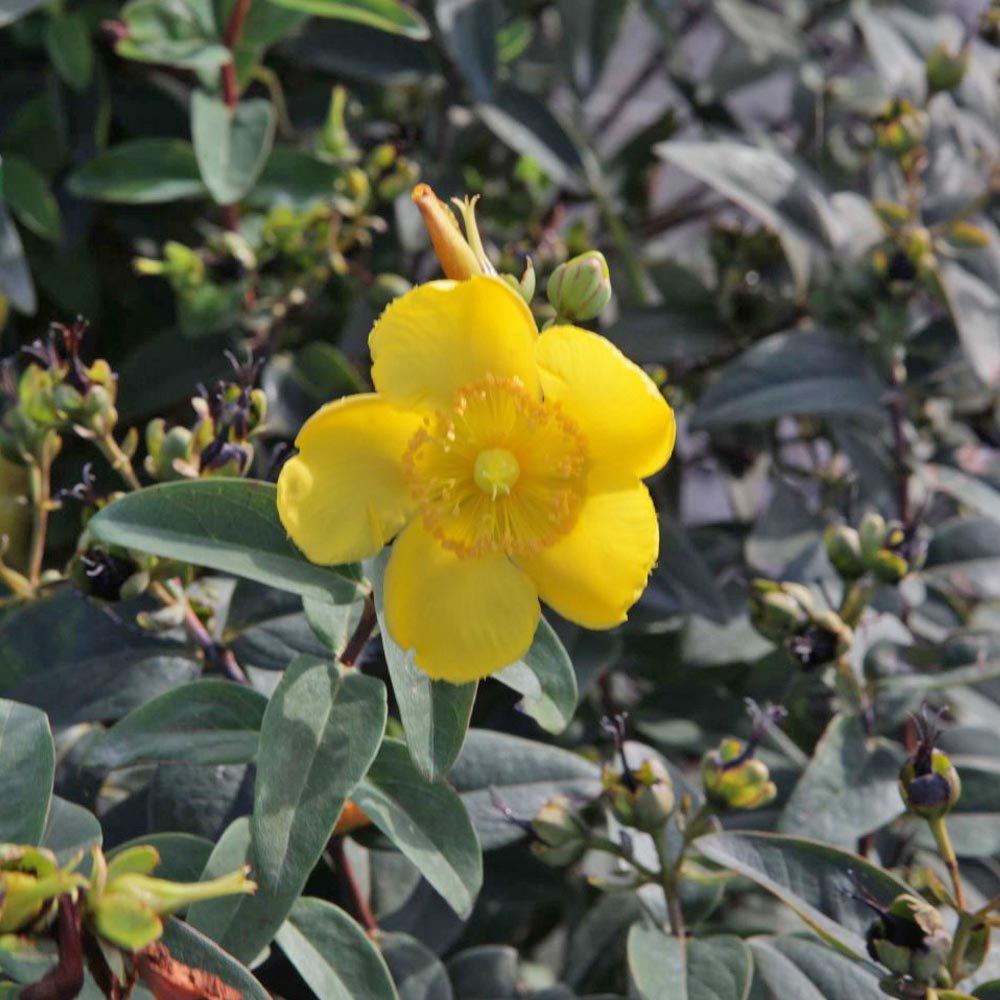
(342, 497)
(622, 414)
(444, 335)
(464, 618)
(597, 571)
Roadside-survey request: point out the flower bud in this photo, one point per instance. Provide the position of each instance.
(642, 799)
(928, 782)
(945, 68)
(560, 835)
(457, 257)
(872, 534)
(734, 779)
(163, 896)
(909, 939)
(843, 546)
(778, 610)
(901, 128)
(966, 235)
(580, 288)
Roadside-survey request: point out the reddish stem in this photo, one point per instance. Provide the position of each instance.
(65, 979)
(362, 633)
(230, 87)
(362, 911)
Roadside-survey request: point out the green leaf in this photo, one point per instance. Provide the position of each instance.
(67, 41)
(426, 821)
(207, 722)
(810, 970)
(525, 775)
(777, 190)
(230, 525)
(968, 490)
(386, 15)
(975, 309)
(187, 945)
(988, 991)
(811, 878)
(656, 964)
(546, 679)
(321, 731)
(526, 124)
(964, 555)
(30, 199)
(435, 714)
(69, 830)
(139, 172)
(713, 968)
(469, 29)
(27, 769)
(182, 34)
(126, 921)
(183, 856)
(416, 971)
(15, 277)
(848, 789)
(333, 954)
(684, 571)
(231, 145)
(488, 970)
(800, 372)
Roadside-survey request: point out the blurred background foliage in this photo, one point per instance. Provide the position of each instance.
(799, 205)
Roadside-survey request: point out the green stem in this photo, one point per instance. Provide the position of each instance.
(947, 852)
(40, 489)
(669, 871)
(118, 460)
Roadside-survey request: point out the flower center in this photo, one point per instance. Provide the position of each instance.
(501, 471)
(496, 471)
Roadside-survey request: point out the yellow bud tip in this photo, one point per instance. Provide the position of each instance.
(496, 471)
(458, 259)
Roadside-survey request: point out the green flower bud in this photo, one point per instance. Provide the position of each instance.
(891, 213)
(928, 782)
(176, 445)
(580, 288)
(966, 235)
(643, 799)
(901, 128)
(258, 408)
(945, 68)
(909, 939)
(889, 567)
(843, 546)
(872, 533)
(778, 610)
(734, 779)
(560, 835)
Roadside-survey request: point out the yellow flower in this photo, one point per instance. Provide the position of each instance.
(509, 463)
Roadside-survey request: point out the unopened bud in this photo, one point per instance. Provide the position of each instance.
(901, 128)
(644, 798)
(163, 896)
(457, 258)
(778, 610)
(734, 779)
(560, 834)
(945, 68)
(966, 235)
(928, 782)
(843, 546)
(580, 288)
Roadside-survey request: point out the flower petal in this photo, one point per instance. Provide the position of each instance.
(464, 618)
(342, 497)
(622, 414)
(446, 334)
(597, 571)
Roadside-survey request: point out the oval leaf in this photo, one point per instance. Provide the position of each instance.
(333, 954)
(27, 768)
(387, 15)
(230, 525)
(141, 171)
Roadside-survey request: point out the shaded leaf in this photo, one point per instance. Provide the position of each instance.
(15, 277)
(417, 972)
(30, 199)
(67, 41)
(975, 308)
(70, 830)
(470, 31)
(809, 970)
(386, 15)
(183, 856)
(964, 555)
(525, 775)
(656, 963)
(798, 372)
(140, 171)
(27, 768)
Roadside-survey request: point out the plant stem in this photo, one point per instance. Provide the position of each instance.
(345, 871)
(40, 488)
(362, 633)
(118, 460)
(669, 871)
(947, 852)
(897, 409)
(230, 85)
